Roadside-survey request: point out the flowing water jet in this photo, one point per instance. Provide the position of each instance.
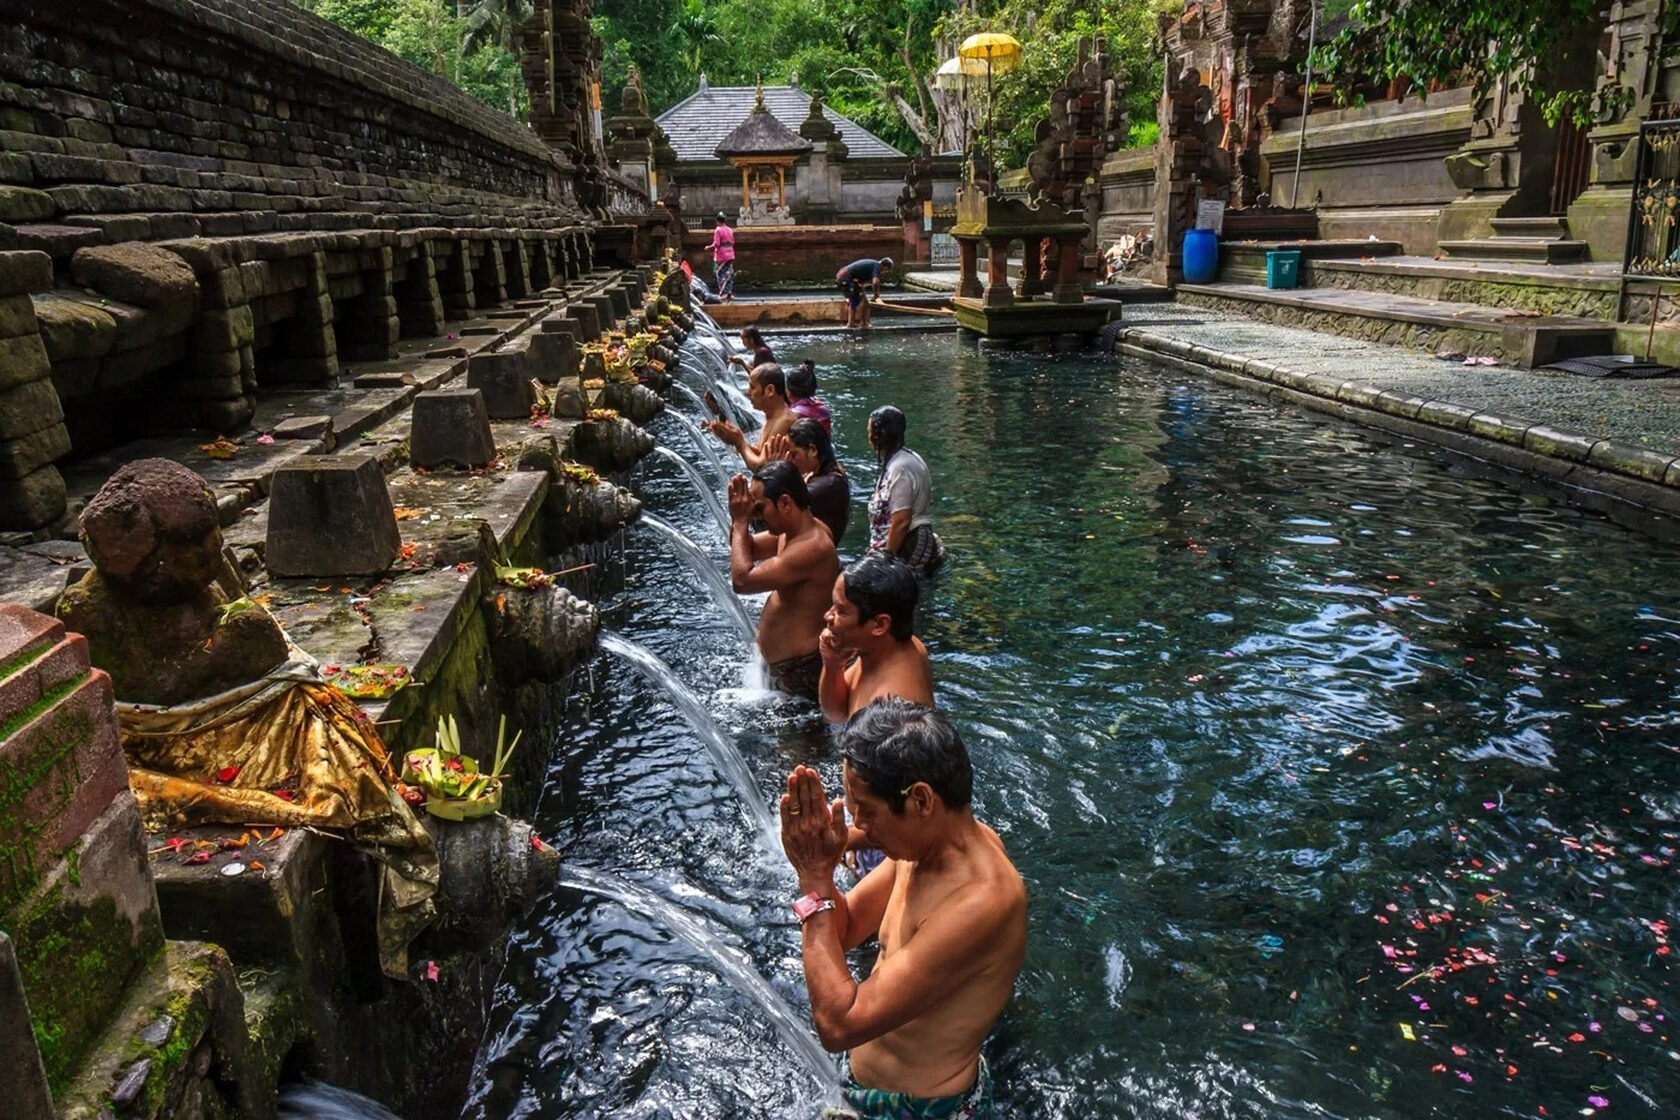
(699, 480)
(731, 963)
(701, 442)
(717, 584)
(721, 747)
(316, 1100)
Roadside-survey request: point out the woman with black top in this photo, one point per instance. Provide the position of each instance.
(808, 447)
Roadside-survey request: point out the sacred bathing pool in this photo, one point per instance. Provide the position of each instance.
(1315, 643)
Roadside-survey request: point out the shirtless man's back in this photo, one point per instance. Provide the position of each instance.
(948, 906)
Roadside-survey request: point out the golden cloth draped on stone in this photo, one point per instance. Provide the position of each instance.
(220, 760)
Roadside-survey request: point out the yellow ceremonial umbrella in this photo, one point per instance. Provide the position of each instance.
(999, 51)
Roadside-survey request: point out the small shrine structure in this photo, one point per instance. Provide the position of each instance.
(763, 149)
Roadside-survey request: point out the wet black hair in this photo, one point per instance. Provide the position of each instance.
(810, 433)
(779, 477)
(894, 743)
(802, 380)
(771, 374)
(723, 219)
(752, 336)
(886, 431)
(879, 583)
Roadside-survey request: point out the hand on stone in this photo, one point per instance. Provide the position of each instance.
(740, 498)
(813, 831)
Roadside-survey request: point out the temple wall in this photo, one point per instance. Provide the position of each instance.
(869, 190)
(1128, 194)
(809, 255)
(1374, 170)
(200, 201)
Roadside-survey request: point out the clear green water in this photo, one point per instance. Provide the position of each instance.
(1343, 784)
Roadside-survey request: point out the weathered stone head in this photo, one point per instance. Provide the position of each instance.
(152, 531)
(162, 611)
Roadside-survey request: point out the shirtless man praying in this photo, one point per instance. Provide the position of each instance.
(868, 646)
(948, 906)
(795, 561)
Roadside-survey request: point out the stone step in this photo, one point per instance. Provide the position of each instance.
(1549, 250)
(177, 1045)
(1555, 227)
(1512, 337)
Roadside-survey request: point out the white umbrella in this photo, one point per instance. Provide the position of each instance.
(957, 73)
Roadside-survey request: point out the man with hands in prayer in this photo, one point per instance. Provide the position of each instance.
(948, 906)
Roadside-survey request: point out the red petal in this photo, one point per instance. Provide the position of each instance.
(227, 774)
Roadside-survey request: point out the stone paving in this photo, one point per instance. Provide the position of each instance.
(1642, 414)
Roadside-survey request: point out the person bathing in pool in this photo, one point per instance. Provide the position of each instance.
(795, 561)
(948, 906)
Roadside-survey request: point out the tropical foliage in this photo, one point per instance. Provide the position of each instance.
(1548, 46)
(469, 42)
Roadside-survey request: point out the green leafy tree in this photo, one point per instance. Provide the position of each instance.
(696, 34)
(1545, 45)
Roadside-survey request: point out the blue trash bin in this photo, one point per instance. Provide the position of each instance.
(1201, 256)
(1283, 268)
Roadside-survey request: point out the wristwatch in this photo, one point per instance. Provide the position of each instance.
(810, 906)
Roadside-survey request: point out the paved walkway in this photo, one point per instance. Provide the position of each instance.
(1616, 438)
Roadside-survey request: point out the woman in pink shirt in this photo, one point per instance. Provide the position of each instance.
(723, 258)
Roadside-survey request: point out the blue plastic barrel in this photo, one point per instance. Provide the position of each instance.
(1201, 256)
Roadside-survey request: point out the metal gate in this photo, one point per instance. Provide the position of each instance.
(1653, 230)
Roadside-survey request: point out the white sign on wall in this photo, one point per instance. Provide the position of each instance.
(1210, 214)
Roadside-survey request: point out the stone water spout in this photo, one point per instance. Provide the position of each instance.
(609, 443)
(494, 868)
(638, 402)
(541, 632)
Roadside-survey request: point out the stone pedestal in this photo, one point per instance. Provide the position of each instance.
(27, 1096)
(505, 380)
(449, 427)
(331, 516)
(553, 353)
(76, 897)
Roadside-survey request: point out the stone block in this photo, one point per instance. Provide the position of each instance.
(22, 359)
(27, 454)
(17, 316)
(25, 204)
(61, 766)
(101, 902)
(505, 380)
(27, 409)
(37, 498)
(75, 380)
(73, 328)
(23, 271)
(450, 427)
(331, 516)
(230, 414)
(302, 427)
(143, 275)
(27, 1095)
(553, 355)
(227, 329)
(1619, 457)
(61, 661)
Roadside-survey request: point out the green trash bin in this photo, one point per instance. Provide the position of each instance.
(1283, 268)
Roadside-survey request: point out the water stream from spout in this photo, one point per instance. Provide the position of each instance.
(717, 584)
(720, 746)
(700, 484)
(700, 440)
(316, 1100)
(733, 964)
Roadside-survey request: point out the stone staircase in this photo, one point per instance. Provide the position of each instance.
(1539, 240)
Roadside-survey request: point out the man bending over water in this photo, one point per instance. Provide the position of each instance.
(795, 561)
(948, 906)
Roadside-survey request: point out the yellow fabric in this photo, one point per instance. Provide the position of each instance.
(1003, 51)
(290, 730)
